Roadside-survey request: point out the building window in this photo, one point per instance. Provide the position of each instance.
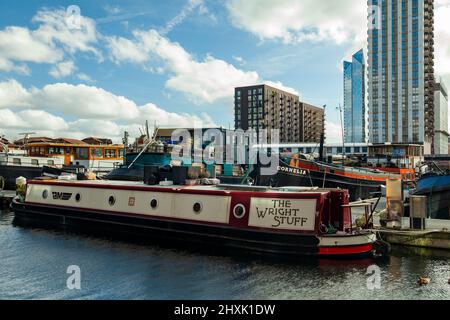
(82, 153)
(110, 153)
(97, 153)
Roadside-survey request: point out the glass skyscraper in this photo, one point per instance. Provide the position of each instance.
(401, 71)
(355, 99)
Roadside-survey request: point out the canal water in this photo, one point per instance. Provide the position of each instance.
(34, 264)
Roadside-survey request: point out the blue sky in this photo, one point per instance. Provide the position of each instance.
(174, 62)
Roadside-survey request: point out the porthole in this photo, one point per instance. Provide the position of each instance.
(198, 207)
(45, 194)
(154, 204)
(112, 200)
(78, 197)
(239, 211)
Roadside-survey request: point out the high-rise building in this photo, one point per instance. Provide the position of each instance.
(441, 134)
(355, 112)
(264, 107)
(401, 71)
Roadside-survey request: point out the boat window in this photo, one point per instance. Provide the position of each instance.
(17, 161)
(121, 153)
(112, 200)
(110, 153)
(51, 162)
(364, 149)
(239, 211)
(42, 151)
(197, 207)
(154, 203)
(348, 150)
(34, 162)
(82, 153)
(78, 197)
(45, 194)
(97, 152)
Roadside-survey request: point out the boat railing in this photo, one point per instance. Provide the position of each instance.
(25, 161)
(352, 169)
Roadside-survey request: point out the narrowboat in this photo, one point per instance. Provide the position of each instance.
(46, 156)
(291, 222)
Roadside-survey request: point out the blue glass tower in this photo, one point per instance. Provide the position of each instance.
(355, 110)
(401, 71)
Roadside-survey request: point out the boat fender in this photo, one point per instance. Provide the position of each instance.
(381, 247)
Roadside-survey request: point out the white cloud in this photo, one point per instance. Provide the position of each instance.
(54, 29)
(125, 50)
(84, 101)
(62, 69)
(299, 20)
(112, 9)
(333, 132)
(13, 95)
(20, 44)
(207, 80)
(31, 120)
(84, 77)
(48, 44)
(98, 112)
(280, 86)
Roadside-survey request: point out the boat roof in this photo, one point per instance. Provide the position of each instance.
(229, 188)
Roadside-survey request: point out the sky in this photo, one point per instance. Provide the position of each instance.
(99, 68)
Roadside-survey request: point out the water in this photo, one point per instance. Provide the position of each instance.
(33, 265)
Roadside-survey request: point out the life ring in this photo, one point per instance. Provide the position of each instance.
(323, 228)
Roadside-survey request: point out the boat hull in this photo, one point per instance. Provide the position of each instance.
(295, 177)
(259, 220)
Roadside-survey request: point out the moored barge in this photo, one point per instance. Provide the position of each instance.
(292, 222)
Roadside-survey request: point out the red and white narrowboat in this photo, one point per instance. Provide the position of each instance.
(289, 222)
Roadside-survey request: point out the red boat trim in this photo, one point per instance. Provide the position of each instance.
(346, 250)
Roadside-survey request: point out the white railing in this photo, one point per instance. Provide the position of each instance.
(28, 161)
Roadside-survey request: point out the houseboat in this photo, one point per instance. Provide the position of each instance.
(95, 157)
(362, 183)
(35, 156)
(291, 222)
